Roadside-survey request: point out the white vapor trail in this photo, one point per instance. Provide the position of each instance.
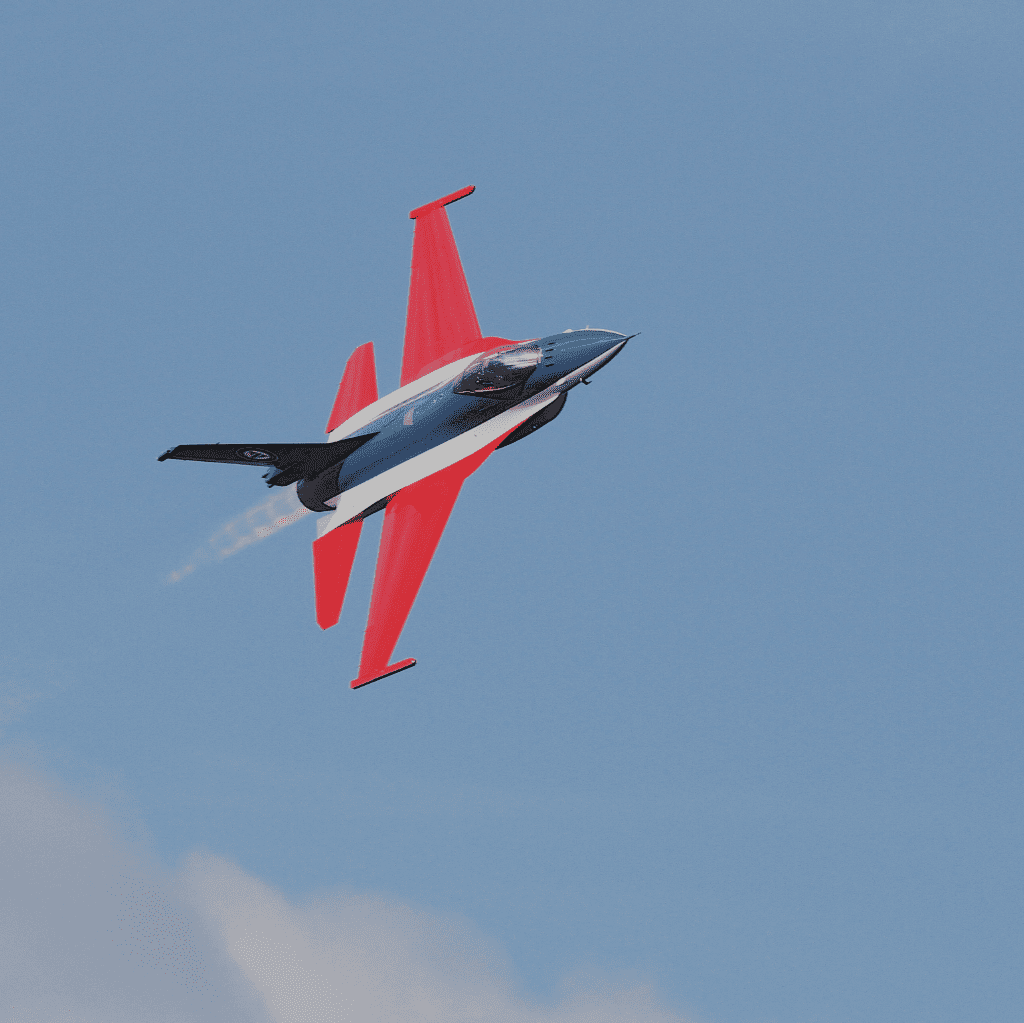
(259, 522)
(93, 932)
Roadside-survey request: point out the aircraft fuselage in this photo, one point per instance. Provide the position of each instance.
(449, 414)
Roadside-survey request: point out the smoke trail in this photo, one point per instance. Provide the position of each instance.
(256, 524)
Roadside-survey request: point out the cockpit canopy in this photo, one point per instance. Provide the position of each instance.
(499, 374)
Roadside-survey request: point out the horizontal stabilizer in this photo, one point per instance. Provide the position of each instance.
(295, 461)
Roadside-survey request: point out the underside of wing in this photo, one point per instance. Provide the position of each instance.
(413, 524)
(441, 323)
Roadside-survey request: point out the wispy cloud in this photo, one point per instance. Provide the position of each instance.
(24, 682)
(92, 933)
(259, 522)
(355, 957)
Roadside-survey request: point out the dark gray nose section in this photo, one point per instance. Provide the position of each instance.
(592, 344)
(564, 355)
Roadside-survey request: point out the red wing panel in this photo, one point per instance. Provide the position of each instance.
(333, 554)
(358, 387)
(413, 524)
(441, 319)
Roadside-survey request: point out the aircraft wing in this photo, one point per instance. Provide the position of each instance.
(441, 323)
(413, 523)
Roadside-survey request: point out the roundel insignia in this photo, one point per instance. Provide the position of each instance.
(255, 455)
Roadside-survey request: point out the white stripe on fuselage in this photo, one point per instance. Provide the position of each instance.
(352, 502)
(447, 453)
(389, 401)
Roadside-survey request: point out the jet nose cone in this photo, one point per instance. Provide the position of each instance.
(573, 356)
(589, 344)
(589, 350)
(598, 344)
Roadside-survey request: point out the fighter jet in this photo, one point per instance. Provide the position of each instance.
(462, 396)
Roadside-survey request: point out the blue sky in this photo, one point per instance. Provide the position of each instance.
(717, 714)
